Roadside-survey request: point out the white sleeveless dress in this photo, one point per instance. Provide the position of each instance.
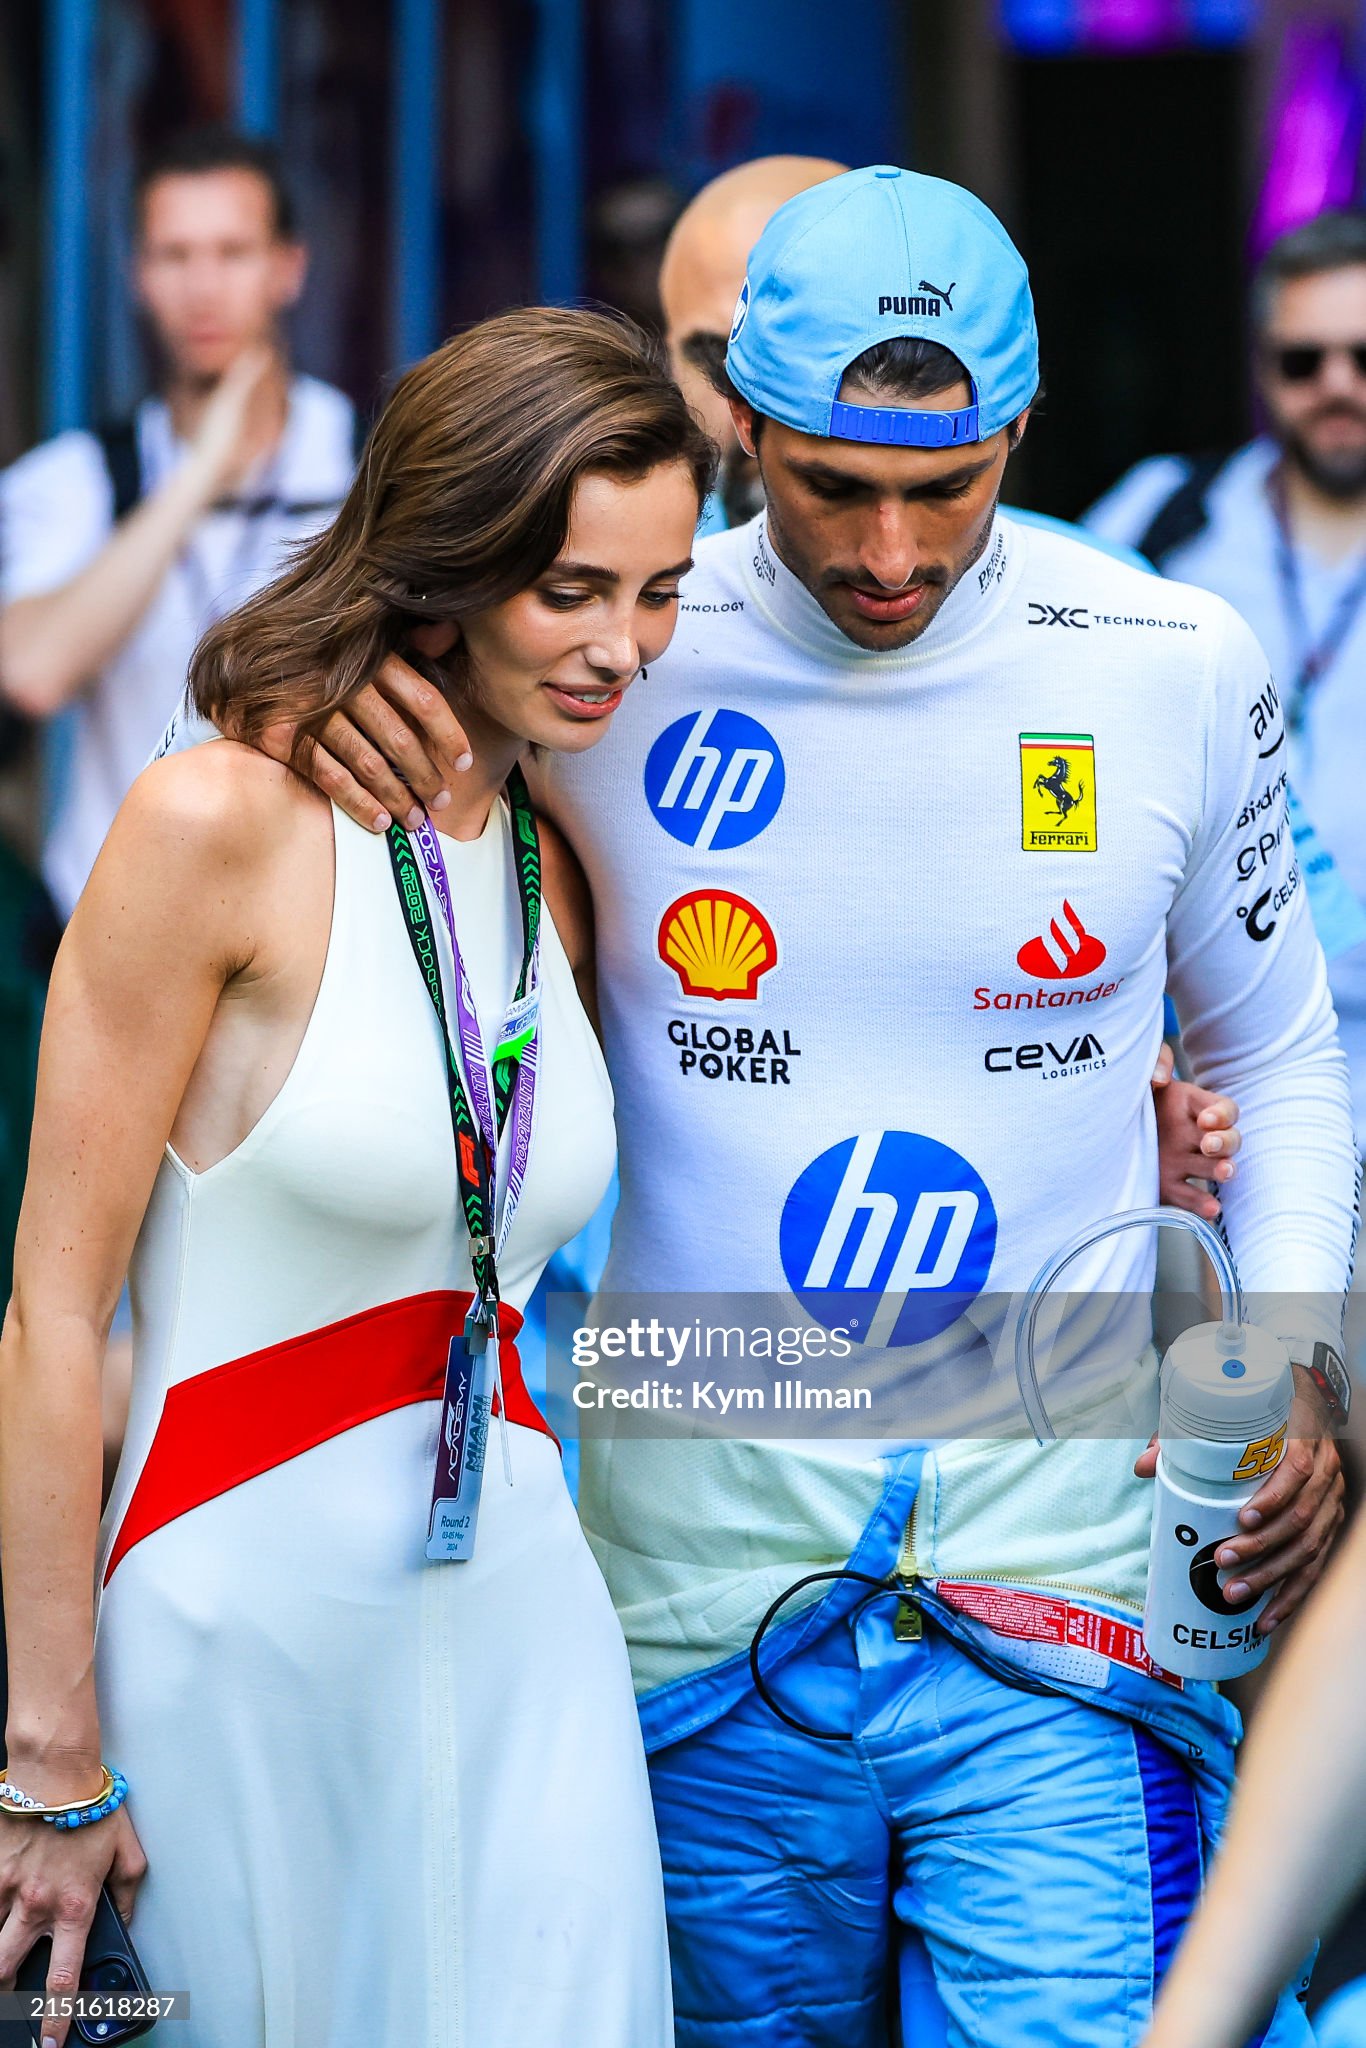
(383, 1801)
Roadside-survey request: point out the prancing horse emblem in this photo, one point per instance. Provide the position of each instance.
(1054, 784)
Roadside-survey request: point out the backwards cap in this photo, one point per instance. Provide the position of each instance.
(867, 256)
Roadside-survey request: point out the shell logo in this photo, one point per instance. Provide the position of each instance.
(717, 944)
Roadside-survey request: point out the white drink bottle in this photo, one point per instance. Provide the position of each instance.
(1225, 1406)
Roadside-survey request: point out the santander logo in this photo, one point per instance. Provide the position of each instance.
(1067, 954)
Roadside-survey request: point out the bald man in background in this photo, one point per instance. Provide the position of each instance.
(699, 282)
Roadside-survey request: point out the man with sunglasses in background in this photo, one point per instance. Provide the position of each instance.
(1279, 529)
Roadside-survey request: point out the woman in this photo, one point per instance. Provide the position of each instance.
(381, 1795)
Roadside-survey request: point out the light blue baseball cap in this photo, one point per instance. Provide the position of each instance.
(862, 258)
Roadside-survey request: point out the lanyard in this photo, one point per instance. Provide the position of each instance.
(479, 1116)
(1315, 658)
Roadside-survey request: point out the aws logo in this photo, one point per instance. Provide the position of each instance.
(1264, 716)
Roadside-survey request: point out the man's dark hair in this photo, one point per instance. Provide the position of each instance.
(199, 150)
(1333, 241)
(897, 370)
(903, 368)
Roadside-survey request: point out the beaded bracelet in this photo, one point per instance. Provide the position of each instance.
(75, 1813)
(117, 1794)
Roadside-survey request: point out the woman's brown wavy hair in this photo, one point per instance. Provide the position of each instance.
(462, 499)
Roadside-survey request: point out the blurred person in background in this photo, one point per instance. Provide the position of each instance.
(699, 282)
(1279, 529)
(119, 548)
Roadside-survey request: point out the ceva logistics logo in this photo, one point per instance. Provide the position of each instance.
(714, 779)
(888, 1235)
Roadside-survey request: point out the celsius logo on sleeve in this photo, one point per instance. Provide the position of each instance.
(714, 779)
(888, 1235)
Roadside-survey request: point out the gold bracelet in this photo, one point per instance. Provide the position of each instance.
(25, 1808)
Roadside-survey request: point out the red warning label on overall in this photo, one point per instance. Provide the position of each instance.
(1047, 1618)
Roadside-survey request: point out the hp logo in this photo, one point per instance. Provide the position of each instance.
(889, 1235)
(714, 779)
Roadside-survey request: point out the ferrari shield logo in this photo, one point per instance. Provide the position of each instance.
(1058, 792)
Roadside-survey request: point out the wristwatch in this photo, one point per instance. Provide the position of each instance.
(1326, 1369)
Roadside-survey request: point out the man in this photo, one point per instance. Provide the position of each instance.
(117, 551)
(1279, 529)
(699, 281)
(939, 772)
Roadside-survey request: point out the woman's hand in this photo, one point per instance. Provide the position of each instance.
(50, 1882)
(1197, 1139)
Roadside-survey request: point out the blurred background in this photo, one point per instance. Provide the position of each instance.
(450, 157)
(453, 156)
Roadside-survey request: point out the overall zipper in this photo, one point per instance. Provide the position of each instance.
(907, 1572)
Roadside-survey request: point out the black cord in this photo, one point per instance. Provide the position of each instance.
(899, 1590)
(761, 1687)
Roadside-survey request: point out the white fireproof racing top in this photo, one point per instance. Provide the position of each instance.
(882, 944)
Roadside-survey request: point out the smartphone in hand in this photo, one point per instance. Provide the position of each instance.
(111, 1975)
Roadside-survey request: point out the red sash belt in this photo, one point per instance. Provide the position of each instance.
(237, 1420)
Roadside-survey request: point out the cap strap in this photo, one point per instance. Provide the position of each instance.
(903, 428)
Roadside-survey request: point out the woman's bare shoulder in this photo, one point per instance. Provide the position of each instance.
(220, 802)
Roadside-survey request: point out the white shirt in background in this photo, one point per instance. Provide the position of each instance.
(57, 512)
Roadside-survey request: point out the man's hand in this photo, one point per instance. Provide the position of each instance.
(231, 434)
(1197, 1139)
(1290, 1525)
(397, 741)
(56, 642)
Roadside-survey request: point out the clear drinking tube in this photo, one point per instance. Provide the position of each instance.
(1220, 1257)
